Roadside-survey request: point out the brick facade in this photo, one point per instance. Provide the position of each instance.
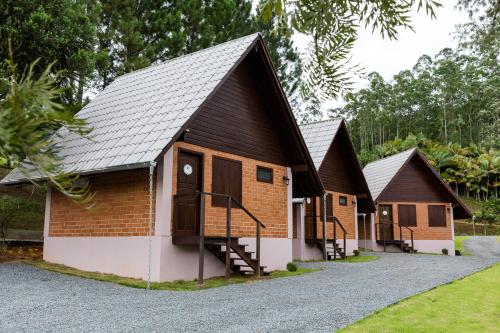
(121, 208)
(268, 202)
(422, 231)
(345, 214)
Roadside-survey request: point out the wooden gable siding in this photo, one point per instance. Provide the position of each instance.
(414, 183)
(339, 171)
(241, 118)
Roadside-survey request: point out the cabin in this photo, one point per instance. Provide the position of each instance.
(416, 209)
(193, 163)
(326, 226)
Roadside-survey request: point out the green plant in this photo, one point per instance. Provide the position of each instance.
(445, 251)
(458, 253)
(490, 211)
(291, 267)
(356, 253)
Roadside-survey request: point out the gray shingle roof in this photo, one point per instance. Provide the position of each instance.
(378, 174)
(137, 115)
(318, 137)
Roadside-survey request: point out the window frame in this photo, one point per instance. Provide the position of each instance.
(346, 201)
(218, 201)
(260, 167)
(400, 214)
(443, 210)
(329, 208)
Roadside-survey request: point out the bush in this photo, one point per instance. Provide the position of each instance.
(458, 253)
(356, 253)
(490, 211)
(445, 251)
(291, 267)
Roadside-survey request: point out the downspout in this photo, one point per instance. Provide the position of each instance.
(152, 165)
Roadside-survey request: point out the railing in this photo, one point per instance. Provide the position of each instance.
(229, 201)
(335, 222)
(391, 224)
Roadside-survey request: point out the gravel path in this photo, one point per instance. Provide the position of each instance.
(41, 301)
(483, 246)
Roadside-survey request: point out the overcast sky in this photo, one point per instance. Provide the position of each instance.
(389, 57)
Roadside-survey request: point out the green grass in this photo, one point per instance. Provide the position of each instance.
(359, 259)
(179, 285)
(459, 245)
(471, 304)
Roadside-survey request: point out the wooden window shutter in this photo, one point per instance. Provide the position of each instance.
(437, 215)
(226, 179)
(329, 207)
(407, 215)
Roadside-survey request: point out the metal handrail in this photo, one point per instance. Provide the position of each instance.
(335, 222)
(383, 233)
(400, 234)
(229, 201)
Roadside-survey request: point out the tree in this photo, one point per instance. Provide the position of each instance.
(332, 26)
(30, 119)
(57, 32)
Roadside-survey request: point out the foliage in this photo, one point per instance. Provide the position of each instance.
(490, 211)
(30, 120)
(356, 253)
(291, 267)
(14, 209)
(332, 26)
(471, 171)
(466, 305)
(59, 33)
(444, 251)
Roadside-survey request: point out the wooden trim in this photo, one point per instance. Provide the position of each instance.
(436, 215)
(407, 213)
(220, 202)
(265, 169)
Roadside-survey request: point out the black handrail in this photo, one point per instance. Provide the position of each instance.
(400, 233)
(383, 232)
(229, 201)
(335, 222)
(401, 236)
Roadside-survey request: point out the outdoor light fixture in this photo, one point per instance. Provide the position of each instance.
(354, 203)
(286, 180)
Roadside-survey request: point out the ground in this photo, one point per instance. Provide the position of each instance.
(324, 301)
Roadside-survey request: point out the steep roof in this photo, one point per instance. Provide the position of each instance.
(381, 173)
(319, 136)
(378, 174)
(141, 113)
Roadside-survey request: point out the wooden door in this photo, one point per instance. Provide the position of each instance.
(310, 219)
(187, 207)
(385, 216)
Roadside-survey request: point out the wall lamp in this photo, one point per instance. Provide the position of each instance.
(286, 180)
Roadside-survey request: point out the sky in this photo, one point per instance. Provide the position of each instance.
(389, 57)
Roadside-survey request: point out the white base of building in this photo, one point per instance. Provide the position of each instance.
(129, 256)
(422, 246)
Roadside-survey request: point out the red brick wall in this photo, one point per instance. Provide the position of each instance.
(345, 214)
(268, 202)
(422, 231)
(121, 207)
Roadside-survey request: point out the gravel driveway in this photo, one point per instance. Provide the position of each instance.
(41, 301)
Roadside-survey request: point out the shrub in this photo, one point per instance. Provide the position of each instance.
(458, 253)
(490, 211)
(445, 251)
(291, 267)
(356, 253)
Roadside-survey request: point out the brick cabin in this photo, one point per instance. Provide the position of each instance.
(347, 194)
(411, 198)
(214, 121)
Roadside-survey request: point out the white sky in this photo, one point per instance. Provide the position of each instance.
(389, 57)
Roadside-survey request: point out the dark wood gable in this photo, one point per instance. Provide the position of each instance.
(239, 119)
(248, 116)
(340, 171)
(415, 182)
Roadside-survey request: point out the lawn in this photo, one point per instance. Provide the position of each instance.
(358, 259)
(471, 304)
(459, 245)
(175, 285)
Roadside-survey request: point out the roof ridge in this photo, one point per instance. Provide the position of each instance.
(323, 121)
(185, 55)
(390, 156)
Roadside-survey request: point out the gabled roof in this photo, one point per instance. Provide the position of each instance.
(142, 113)
(319, 136)
(378, 174)
(381, 173)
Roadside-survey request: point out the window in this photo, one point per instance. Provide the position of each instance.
(407, 215)
(437, 215)
(343, 200)
(264, 174)
(226, 179)
(329, 207)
